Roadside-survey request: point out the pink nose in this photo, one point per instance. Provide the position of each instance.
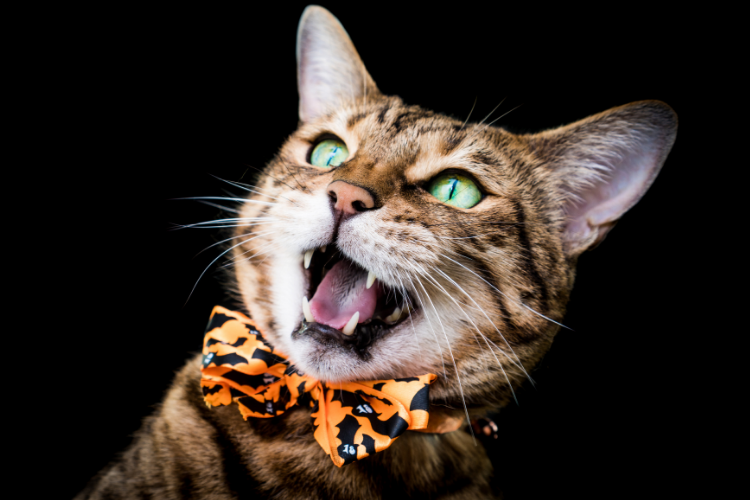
(348, 198)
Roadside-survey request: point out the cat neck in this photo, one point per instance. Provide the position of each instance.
(270, 451)
(416, 461)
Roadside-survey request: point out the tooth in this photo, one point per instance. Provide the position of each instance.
(370, 279)
(394, 316)
(308, 257)
(323, 248)
(352, 324)
(306, 311)
(406, 311)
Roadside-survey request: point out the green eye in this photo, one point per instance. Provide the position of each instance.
(329, 153)
(456, 190)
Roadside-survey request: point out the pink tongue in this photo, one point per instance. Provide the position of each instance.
(342, 293)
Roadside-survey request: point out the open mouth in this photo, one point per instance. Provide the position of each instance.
(347, 303)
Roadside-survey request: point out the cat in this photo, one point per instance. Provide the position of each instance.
(471, 235)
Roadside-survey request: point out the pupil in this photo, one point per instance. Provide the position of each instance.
(331, 155)
(453, 187)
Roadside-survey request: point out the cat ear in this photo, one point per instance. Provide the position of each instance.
(329, 70)
(602, 165)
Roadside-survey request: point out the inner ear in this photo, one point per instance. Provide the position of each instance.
(602, 166)
(329, 69)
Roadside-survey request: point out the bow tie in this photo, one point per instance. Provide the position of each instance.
(352, 420)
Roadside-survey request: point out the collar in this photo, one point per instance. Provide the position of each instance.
(351, 421)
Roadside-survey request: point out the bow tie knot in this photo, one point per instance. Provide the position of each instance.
(352, 420)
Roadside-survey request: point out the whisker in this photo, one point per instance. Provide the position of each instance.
(266, 249)
(429, 321)
(287, 168)
(222, 207)
(241, 200)
(484, 337)
(458, 376)
(509, 298)
(503, 115)
(232, 259)
(231, 222)
(470, 111)
(212, 263)
(217, 226)
(271, 176)
(232, 238)
(405, 295)
(478, 128)
(517, 362)
(493, 110)
(250, 189)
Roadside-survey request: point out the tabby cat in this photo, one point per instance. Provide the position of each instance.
(385, 241)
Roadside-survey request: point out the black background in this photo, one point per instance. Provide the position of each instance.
(214, 93)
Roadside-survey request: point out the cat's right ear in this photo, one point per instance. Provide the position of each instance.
(329, 69)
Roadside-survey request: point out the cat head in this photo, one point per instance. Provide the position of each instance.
(470, 233)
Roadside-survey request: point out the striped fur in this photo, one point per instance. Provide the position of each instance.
(490, 284)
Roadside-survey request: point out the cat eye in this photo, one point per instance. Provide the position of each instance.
(455, 190)
(329, 153)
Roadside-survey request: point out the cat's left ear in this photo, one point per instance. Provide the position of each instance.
(602, 165)
(329, 69)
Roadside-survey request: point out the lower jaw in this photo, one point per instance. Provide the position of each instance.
(331, 355)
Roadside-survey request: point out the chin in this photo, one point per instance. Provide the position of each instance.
(329, 355)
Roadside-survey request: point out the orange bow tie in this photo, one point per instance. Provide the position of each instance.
(352, 420)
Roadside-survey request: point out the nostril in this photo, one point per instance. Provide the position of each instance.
(333, 196)
(359, 206)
